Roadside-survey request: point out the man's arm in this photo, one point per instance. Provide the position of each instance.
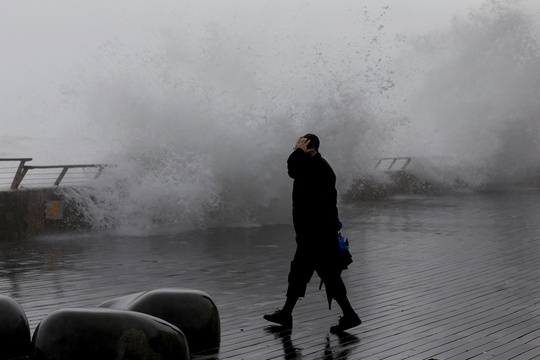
(296, 163)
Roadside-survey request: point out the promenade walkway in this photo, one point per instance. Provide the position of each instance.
(440, 278)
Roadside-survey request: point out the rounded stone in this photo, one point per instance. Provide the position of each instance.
(192, 311)
(14, 330)
(89, 334)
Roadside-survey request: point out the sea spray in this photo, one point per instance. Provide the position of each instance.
(473, 99)
(199, 131)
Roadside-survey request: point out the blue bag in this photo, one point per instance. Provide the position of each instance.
(344, 255)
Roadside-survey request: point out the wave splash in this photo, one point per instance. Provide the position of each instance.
(475, 111)
(201, 140)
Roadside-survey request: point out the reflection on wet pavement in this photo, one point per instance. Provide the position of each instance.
(431, 278)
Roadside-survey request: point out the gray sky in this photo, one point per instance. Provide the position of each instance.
(37, 34)
(42, 40)
(47, 45)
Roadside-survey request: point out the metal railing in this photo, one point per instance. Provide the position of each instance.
(404, 161)
(49, 175)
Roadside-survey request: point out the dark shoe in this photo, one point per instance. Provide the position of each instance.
(346, 323)
(280, 318)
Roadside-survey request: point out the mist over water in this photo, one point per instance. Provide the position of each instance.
(476, 103)
(198, 116)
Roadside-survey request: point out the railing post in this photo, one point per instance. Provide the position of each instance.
(61, 176)
(19, 175)
(98, 173)
(408, 160)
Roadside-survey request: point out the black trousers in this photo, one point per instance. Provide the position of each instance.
(309, 259)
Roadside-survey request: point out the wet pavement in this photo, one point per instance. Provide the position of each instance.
(447, 277)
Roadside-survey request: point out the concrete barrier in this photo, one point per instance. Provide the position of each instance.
(192, 311)
(90, 334)
(14, 330)
(30, 212)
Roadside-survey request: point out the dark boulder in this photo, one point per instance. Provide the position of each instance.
(14, 330)
(90, 334)
(192, 311)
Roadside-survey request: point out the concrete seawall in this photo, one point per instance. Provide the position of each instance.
(29, 212)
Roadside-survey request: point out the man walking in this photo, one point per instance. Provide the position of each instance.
(316, 223)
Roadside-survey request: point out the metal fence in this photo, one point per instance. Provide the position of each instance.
(15, 174)
(392, 163)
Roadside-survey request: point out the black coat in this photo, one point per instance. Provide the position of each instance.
(314, 197)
